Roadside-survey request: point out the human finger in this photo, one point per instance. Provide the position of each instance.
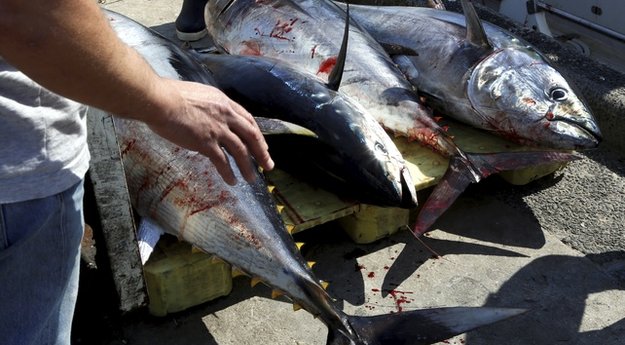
(239, 151)
(255, 142)
(219, 158)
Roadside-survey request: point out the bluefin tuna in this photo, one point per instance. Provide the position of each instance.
(183, 193)
(307, 33)
(352, 154)
(360, 155)
(482, 75)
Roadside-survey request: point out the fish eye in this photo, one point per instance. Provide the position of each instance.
(558, 94)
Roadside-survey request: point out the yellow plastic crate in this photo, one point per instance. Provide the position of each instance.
(178, 278)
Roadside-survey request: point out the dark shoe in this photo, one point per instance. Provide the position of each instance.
(190, 25)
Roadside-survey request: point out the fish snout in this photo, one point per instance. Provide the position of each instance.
(582, 131)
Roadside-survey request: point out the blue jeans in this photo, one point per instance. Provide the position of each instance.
(39, 263)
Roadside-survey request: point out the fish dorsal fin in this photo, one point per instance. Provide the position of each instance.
(475, 30)
(334, 80)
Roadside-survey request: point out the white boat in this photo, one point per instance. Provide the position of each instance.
(595, 28)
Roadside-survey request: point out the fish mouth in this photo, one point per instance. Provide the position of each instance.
(586, 132)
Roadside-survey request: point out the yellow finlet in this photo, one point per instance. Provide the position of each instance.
(195, 250)
(299, 245)
(276, 293)
(255, 281)
(324, 284)
(236, 272)
(290, 228)
(296, 307)
(271, 188)
(311, 263)
(280, 208)
(216, 260)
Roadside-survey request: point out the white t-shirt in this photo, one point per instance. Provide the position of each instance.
(43, 139)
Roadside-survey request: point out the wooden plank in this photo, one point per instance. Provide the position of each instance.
(108, 180)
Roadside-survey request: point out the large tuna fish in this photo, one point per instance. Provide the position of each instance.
(482, 75)
(364, 162)
(308, 33)
(270, 87)
(182, 191)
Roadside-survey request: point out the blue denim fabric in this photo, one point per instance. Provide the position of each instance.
(39, 263)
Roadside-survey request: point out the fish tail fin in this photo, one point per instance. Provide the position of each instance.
(473, 167)
(425, 326)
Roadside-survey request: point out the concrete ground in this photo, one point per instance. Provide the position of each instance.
(555, 246)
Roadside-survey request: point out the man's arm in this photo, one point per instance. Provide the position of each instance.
(68, 47)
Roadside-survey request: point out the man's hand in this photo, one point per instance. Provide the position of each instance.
(68, 47)
(207, 121)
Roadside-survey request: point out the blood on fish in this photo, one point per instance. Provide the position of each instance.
(327, 65)
(281, 28)
(530, 101)
(371, 274)
(251, 48)
(313, 50)
(128, 147)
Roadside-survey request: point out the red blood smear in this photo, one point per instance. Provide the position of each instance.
(251, 48)
(371, 274)
(312, 51)
(399, 300)
(327, 65)
(529, 101)
(128, 147)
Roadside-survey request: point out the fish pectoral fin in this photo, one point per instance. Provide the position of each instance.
(270, 126)
(425, 326)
